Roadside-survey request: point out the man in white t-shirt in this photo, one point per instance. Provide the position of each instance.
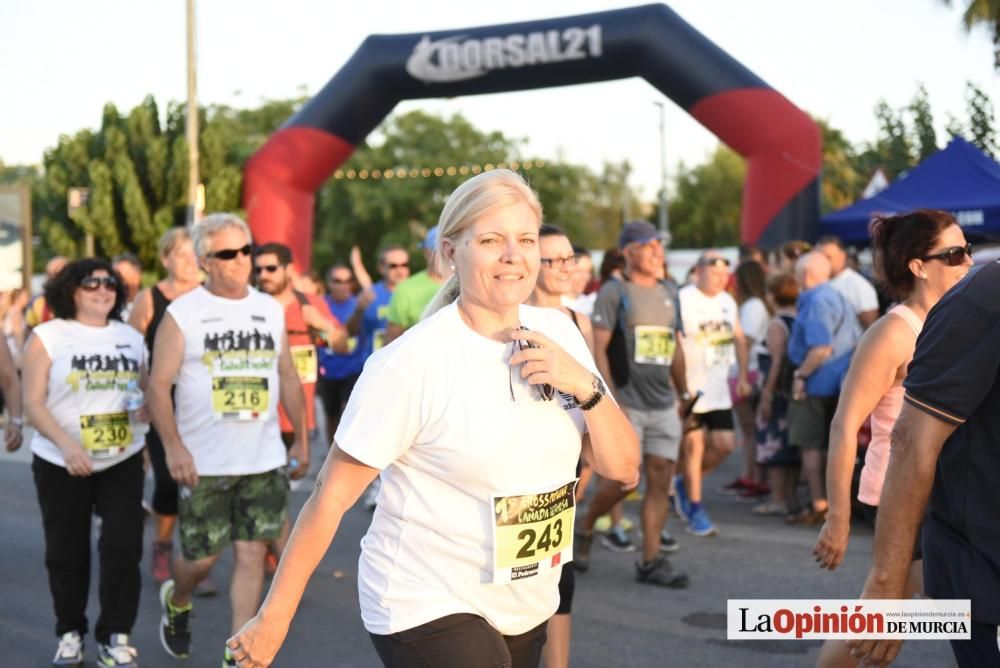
(226, 345)
(713, 341)
(855, 288)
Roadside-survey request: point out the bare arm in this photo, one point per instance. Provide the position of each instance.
(340, 483)
(882, 351)
(393, 332)
(37, 365)
(602, 338)
(168, 353)
(364, 279)
(866, 318)
(777, 344)
(293, 400)
(10, 386)
(587, 329)
(142, 311)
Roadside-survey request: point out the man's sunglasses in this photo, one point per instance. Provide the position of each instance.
(91, 283)
(341, 281)
(560, 262)
(397, 265)
(266, 268)
(230, 253)
(953, 256)
(714, 262)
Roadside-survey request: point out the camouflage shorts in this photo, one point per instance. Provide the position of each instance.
(221, 509)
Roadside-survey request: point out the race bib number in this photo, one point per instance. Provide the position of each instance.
(378, 339)
(105, 434)
(654, 345)
(306, 362)
(239, 398)
(532, 533)
(720, 352)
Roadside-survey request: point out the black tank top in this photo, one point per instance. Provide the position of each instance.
(572, 314)
(160, 304)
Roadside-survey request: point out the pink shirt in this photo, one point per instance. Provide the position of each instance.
(883, 418)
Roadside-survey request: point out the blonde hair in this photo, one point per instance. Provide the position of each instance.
(470, 201)
(170, 240)
(203, 231)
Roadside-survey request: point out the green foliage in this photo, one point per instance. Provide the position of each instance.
(982, 123)
(924, 138)
(706, 209)
(985, 14)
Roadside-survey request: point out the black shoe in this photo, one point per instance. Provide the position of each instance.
(660, 572)
(175, 625)
(581, 550)
(617, 540)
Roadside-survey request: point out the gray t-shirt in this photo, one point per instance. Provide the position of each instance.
(650, 321)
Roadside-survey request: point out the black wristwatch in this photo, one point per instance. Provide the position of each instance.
(595, 398)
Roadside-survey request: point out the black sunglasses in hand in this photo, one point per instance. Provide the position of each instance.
(545, 391)
(953, 256)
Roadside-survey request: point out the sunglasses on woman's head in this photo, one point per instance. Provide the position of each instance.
(953, 256)
(91, 283)
(230, 253)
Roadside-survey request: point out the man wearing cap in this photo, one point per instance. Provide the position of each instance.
(636, 322)
(415, 293)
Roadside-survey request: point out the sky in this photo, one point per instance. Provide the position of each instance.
(63, 59)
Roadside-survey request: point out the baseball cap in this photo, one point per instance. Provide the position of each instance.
(637, 231)
(430, 241)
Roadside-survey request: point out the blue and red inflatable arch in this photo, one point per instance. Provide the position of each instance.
(781, 144)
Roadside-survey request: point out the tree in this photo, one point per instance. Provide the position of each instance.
(923, 138)
(982, 128)
(841, 182)
(706, 209)
(985, 14)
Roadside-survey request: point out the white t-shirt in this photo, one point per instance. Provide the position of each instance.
(856, 289)
(582, 304)
(709, 346)
(753, 319)
(90, 372)
(228, 385)
(434, 412)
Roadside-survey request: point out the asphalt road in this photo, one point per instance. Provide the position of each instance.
(616, 622)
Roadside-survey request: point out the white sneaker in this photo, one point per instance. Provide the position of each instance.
(118, 653)
(70, 650)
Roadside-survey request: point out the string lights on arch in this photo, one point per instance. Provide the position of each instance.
(433, 172)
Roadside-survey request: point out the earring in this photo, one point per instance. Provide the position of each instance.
(452, 267)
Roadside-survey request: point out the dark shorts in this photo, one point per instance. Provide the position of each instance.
(460, 640)
(721, 420)
(980, 650)
(221, 509)
(567, 585)
(871, 514)
(334, 393)
(809, 422)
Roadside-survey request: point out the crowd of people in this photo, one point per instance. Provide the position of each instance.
(523, 388)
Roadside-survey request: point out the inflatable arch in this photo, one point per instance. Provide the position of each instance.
(781, 144)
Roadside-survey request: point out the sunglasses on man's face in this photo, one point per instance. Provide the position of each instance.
(91, 283)
(397, 265)
(953, 256)
(340, 281)
(266, 268)
(715, 262)
(230, 253)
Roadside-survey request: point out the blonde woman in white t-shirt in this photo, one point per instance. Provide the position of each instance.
(475, 512)
(82, 371)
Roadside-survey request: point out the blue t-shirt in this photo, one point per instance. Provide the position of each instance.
(955, 376)
(373, 321)
(336, 366)
(824, 318)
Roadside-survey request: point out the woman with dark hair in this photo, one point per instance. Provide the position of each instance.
(82, 374)
(918, 257)
(612, 265)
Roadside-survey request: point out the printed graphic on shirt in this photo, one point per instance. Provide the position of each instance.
(378, 336)
(96, 372)
(230, 354)
(532, 533)
(716, 338)
(105, 434)
(239, 350)
(306, 362)
(654, 345)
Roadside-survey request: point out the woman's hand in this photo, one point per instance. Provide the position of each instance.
(764, 407)
(832, 543)
(256, 644)
(77, 460)
(549, 364)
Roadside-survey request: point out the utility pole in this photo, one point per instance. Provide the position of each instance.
(664, 224)
(192, 120)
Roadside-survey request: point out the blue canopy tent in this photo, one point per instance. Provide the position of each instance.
(959, 179)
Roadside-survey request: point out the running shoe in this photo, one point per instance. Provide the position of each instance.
(659, 572)
(117, 653)
(70, 650)
(682, 504)
(160, 562)
(667, 542)
(175, 624)
(581, 550)
(753, 493)
(617, 540)
(737, 486)
(227, 659)
(700, 524)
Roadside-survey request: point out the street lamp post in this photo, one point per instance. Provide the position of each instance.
(192, 120)
(664, 224)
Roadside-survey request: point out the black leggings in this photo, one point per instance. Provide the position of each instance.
(165, 487)
(459, 640)
(67, 503)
